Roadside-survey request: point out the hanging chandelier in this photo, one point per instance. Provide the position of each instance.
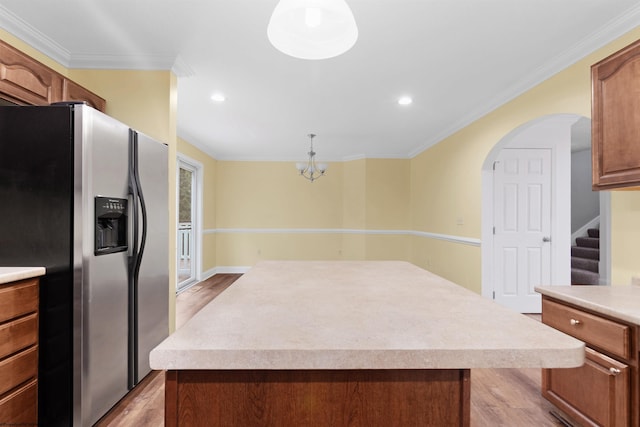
(310, 170)
(312, 29)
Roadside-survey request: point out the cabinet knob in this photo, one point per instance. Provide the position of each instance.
(614, 371)
(574, 322)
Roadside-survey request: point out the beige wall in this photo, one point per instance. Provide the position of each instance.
(270, 195)
(387, 194)
(625, 235)
(144, 100)
(446, 179)
(284, 216)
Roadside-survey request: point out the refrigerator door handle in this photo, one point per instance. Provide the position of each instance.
(132, 262)
(135, 260)
(143, 213)
(133, 193)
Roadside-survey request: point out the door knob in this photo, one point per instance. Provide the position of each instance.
(546, 239)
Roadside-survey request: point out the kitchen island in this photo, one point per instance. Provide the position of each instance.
(358, 343)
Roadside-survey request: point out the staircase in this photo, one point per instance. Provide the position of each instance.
(585, 256)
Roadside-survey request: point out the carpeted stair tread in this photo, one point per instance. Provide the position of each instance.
(590, 253)
(585, 264)
(585, 256)
(583, 277)
(588, 242)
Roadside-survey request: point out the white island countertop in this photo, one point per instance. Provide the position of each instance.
(622, 302)
(12, 274)
(358, 315)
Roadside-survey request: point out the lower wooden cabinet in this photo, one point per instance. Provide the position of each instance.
(596, 394)
(19, 353)
(605, 390)
(18, 408)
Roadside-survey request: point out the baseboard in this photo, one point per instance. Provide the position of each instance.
(224, 270)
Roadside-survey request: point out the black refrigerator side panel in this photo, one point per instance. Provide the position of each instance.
(36, 190)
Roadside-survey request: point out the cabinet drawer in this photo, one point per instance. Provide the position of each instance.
(18, 369)
(606, 334)
(595, 394)
(18, 299)
(21, 406)
(19, 334)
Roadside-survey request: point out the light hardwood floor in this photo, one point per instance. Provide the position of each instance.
(499, 397)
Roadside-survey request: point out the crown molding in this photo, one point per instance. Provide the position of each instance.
(30, 35)
(181, 68)
(128, 62)
(36, 39)
(606, 34)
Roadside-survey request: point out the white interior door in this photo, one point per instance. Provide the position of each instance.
(522, 227)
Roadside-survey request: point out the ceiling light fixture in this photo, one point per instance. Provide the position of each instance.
(405, 100)
(310, 170)
(312, 29)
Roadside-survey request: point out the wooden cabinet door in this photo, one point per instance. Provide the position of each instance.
(616, 119)
(25, 80)
(72, 91)
(595, 394)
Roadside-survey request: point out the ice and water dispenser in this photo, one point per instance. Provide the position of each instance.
(110, 225)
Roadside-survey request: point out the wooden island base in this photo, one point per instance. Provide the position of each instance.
(299, 398)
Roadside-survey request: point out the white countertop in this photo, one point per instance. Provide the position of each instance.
(12, 274)
(622, 302)
(358, 315)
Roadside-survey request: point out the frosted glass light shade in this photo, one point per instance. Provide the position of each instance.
(312, 29)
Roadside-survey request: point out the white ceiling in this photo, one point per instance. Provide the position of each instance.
(458, 59)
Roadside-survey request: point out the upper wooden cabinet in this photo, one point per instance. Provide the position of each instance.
(72, 91)
(615, 125)
(25, 81)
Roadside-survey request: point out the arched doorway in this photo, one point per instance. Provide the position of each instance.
(552, 133)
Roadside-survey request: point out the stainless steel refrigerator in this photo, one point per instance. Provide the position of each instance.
(87, 197)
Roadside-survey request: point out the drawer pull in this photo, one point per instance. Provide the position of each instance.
(574, 322)
(614, 371)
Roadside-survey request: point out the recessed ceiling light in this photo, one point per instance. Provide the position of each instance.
(218, 97)
(405, 100)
